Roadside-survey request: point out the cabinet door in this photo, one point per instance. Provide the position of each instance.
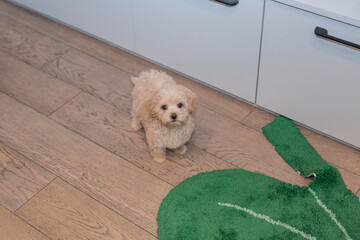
(110, 20)
(216, 44)
(32, 4)
(307, 78)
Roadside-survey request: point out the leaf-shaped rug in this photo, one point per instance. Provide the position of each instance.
(237, 204)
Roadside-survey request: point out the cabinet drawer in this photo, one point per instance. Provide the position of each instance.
(110, 20)
(214, 43)
(307, 78)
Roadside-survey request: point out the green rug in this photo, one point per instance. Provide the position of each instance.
(237, 204)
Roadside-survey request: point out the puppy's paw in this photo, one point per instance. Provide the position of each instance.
(160, 159)
(158, 154)
(181, 150)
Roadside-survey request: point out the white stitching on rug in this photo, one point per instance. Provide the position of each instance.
(332, 215)
(268, 219)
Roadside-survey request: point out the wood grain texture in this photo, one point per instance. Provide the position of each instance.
(20, 178)
(241, 146)
(111, 128)
(28, 44)
(110, 179)
(33, 87)
(346, 159)
(14, 228)
(116, 89)
(95, 77)
(352, 181)
(114, 86)
(63, 212)
(211, 98)
(258, 118)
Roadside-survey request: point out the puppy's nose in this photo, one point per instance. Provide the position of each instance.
(173, 116)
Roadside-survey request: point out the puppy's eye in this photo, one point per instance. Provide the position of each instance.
(180, 105)
(164, 107)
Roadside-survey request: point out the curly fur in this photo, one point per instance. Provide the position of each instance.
(152, 90)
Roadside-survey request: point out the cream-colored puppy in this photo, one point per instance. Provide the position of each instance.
(165, 110)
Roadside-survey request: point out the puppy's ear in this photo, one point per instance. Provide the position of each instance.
(190, 100)
(150, 107)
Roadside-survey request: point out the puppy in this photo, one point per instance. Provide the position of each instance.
(165, 110)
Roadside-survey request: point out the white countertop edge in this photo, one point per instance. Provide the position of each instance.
(321, 12)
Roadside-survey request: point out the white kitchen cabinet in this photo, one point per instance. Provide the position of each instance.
(110, 20)
(31, 4)
(216, 44)
(310, 79)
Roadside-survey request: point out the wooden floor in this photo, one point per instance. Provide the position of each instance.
(70, 165)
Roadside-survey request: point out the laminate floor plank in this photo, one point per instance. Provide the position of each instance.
(33, 87)
(63, 212)
(113, 86)
(14, 228)
(258, 118)
(90, 74)
(95, 77)
(241, 146)
(111, 128)
(110, 179)
(27, 44)
(20, 178)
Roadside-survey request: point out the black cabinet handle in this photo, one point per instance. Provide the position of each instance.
(322, 32)
(228, 2)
